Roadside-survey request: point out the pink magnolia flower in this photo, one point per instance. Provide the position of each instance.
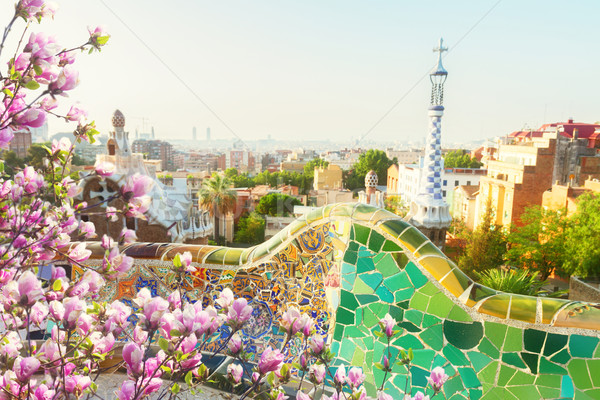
(76, 113)
(137, 185)
(68, 79)
(239, 313)
(29, 289)
(419, 396)
(300, 395)
(33, 118)
(67, 57)
(387, 324)
(316, 344)
(126, 391)
(186, 261)
(270, 360)
(48, 103)
(10, 345)
(225, 299)
(88, 229)
(137, 206)
(317, 373)
(133, 356)
(340, 375)
(117, 315)
(79, 254)
(384, 396)
(98, 36)
(291, 321)
(6, 135)
(29, 179)
(437, 378)
(235, 344)
(42, 392)
(235, 372)
(74, 307)
(104, 168)
(335, 396)
(355, 377)
(64, 144)
(38, 313)
(43, 48)
(111, 214)
(174, 299)
(128, 236)
(76, 384)
(152, 309)
(24, 368)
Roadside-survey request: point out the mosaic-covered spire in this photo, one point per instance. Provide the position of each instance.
(429, 211)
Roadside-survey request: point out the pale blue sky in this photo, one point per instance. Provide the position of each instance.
(315, 69)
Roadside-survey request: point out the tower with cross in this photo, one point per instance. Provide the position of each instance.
(429, 212)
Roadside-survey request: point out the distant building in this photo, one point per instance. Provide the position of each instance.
(156, 150)
(464, 204)
(172, 216)
(371, 195)
(327, 178)
(21, 143)
(293, 166)
(567, 196)
(242, 160)
(406, 156)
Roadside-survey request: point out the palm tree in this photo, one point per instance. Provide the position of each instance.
(217, 197)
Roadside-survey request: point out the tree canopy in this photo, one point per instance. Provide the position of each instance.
(582, 239)
(250, 229)
(309, 168)
(460, 159)
(277, 204)
(217, 197)
(373, 159)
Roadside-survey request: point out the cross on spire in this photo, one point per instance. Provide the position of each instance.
(440, 47)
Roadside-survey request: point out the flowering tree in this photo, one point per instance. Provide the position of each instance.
(162, 351)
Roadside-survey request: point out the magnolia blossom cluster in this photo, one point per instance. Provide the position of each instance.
(41, 70)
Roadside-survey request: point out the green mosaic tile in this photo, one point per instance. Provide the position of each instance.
(551, 381)
(366, 298)
(338, 333)
(593, 394)
(524, 392)
(554, 343)
(440, 305)
(429, 320)
(347, 350)
(409, 326)
(397, 313)
(523, 308)
(463, 335)
(469, 377)
(433, 337)
(416, 276)
(375, 241)
(364, 264)
(578, 371)
(496, 306)
(521, 378)
(369, 319)
(362, 212)
(359, 357)
(475, 394)
(562, 357)
(419, 376)
(495, 332)
(379, 309)
(361, 233)
(455, 356)
(453, 385)
(594, 368)
(478, 360)
(344, 316)
(498, 393)
(566, 387)
(479, 292)
(398, 281)
(348, 281)
(390, 246)
(348, 269)
(488, 348)
(387, 266)
(428, 249)
(534, 340)
(532, 361)
(547, 367)
(549, 308)
(488, 374)
(401, 259)
(429, 289)
(359, 317)
(373, 280)
(350, 257)
(384, 294)
(408, 342)
(514, 340)
(360, 287)
(513, 359)
(412, 238)
(347, 300)
(549, 393)
(403, 295)
(506, 373)
(394, 227)
(378, 257)
(457, 282)
(414, 316)
(458, 314)
(419, 301)
(582, 346)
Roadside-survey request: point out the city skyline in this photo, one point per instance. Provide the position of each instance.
(311, 71)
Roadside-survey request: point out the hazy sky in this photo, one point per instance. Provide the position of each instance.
(315, 69)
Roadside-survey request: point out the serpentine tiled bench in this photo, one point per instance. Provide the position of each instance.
(348, 265)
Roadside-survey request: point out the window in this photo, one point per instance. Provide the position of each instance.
(443, 193)
(445, 182)
(455, 183)
(468, 183)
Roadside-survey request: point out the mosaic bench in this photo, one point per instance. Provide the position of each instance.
(348, 265)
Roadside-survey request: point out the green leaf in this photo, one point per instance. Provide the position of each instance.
(177, 261)
(7, 92)
(93, 386)
(32, 85)
(175, 333)
(166, 369)
(297, 365)
(1, 167)
(271, 379)
(410, 354)
(378, 333)
(188, 378)
(38, 70)
(57, 285)
(163, 344)
(175, 388)
(101, 40)
(380, 366)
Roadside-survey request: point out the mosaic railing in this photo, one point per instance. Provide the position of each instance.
(348, 265)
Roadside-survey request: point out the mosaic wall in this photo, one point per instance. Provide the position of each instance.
(348, 265)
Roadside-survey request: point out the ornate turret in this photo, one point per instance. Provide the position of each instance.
(118, 144)
(429, 211)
